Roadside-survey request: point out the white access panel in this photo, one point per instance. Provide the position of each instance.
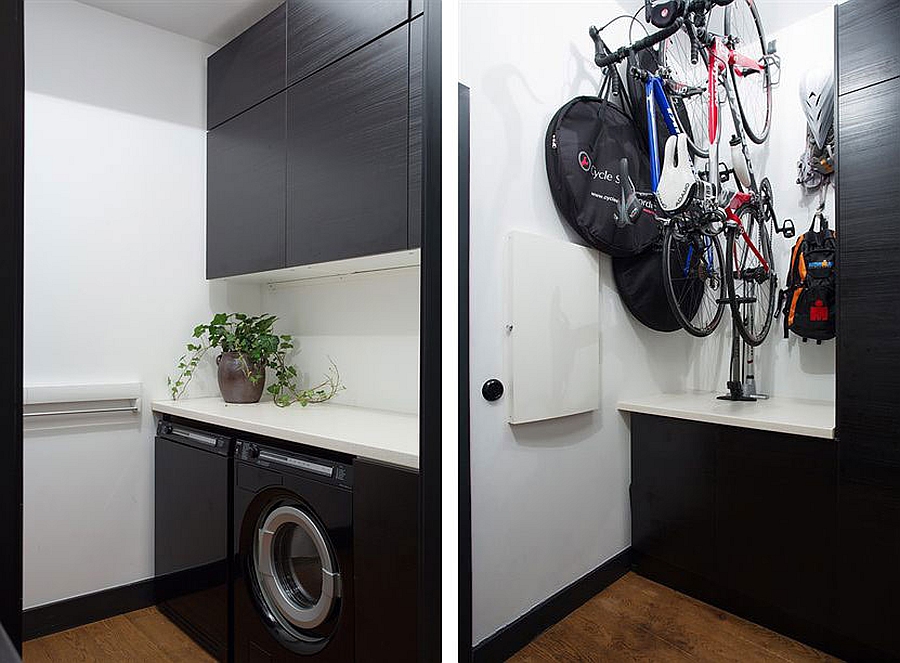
(554, 328)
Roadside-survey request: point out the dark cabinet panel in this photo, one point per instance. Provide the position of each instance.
(775, 520)
(245, 211)
(386, 550)
(248, 69)
(347, 156)
(868, 349)
(321, 31)
(416, 48)
(672, 491)
(868, 43)
(868, 584)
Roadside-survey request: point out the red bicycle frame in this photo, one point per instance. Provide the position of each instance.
(741, 198)
(741, 64)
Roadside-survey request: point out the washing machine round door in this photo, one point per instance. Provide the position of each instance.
(297, 575)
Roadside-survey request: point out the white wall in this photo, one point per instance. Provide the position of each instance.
(367, 323)
(114, 275)
(550, 500)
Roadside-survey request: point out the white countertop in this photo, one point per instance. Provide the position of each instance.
(390, 437)
(783, 415)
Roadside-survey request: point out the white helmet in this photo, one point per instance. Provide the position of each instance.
(817, 99)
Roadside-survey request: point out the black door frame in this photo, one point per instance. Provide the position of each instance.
(465, 479)
(12, 102)
(429, 627)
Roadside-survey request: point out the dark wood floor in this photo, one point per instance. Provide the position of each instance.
(632, 620)
(635, 619)
(137, 637)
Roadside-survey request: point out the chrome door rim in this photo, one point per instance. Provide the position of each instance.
(275, 595)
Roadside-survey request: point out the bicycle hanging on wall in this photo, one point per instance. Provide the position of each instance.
(695, 206)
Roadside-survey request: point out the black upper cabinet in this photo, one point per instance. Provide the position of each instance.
(245, 192)
(347, 156)
(868, 351)
(321, 31)
(416, 86)
(868, 43)
(248, 69)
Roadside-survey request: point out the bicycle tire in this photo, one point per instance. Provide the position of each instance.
(685, 308)
(692, 117)
(752, 336)
(757, 134)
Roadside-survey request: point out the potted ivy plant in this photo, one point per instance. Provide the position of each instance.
(249, 346)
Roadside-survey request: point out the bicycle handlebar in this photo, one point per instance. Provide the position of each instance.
(603, 61)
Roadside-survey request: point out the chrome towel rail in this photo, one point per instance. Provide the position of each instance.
(95, 410)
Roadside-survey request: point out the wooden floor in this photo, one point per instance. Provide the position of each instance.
(632, 620)
(635, 619)
(137, 637)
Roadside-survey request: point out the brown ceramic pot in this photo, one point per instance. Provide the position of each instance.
(234, 384)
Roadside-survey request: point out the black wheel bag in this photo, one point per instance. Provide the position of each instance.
(640, 281)
(585, 141)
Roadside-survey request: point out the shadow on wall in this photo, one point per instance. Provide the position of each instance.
(80, 53)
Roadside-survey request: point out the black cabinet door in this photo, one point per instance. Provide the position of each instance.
(321, 31)
(672, 491)
(347, 136)
(868, 584)
(868, 43)
(775, 521)
(386, 553)
(416, 85)
(245, 192)
(868, 233)
(248, 69)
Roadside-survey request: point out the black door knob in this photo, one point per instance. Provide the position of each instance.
(492, 390)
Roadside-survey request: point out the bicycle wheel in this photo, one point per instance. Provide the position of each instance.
(691, 107)
(693, 276)
(751, 285)
(754, 90)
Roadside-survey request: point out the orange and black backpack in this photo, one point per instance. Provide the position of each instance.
(809, 298)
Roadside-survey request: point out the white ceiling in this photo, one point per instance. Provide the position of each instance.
(215, 22)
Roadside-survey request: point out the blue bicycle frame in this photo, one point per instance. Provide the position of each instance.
(656, 96)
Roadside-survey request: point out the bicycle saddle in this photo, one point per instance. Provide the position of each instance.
(663, 14)
(677, 183)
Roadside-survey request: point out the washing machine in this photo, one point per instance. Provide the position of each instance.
(293, 570)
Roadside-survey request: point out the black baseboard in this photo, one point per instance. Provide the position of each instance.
(512, 637)
(69, 613)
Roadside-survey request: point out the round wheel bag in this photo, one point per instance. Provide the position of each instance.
(585, 142)
(641, 285)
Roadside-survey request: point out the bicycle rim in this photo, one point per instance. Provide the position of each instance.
(691, 112)
(694, 280)
(751, 289)
(754, 92)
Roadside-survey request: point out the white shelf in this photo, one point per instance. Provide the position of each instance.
(375, 263)
(390, 437)
(782, 415)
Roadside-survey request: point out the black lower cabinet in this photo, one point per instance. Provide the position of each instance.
(742, 519)
(386, 550)
(868, 559)
(672, 492)
(775, 526)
